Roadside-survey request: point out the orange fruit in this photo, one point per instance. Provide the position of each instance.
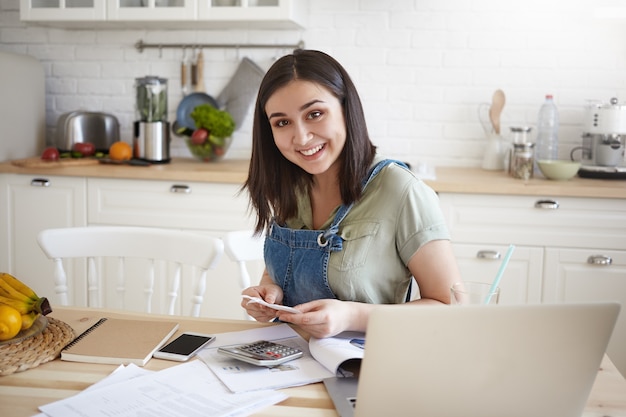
(120, 151)
(10, 322)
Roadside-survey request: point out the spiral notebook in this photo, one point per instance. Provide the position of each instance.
(119, 341)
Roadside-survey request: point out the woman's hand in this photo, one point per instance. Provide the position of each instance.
(326, 318)
(269, 292)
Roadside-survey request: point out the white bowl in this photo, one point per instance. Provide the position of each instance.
(558, 170)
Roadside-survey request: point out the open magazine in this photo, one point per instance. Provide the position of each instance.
(323, 358)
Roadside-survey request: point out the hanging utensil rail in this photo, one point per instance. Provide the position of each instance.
(141, 45)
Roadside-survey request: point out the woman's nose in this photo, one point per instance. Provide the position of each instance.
(302, 135)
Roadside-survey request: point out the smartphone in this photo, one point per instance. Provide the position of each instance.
(262, 353)
(184, 346)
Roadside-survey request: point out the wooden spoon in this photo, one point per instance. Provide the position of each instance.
(497, 103)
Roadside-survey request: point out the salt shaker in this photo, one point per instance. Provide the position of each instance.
(522, 161)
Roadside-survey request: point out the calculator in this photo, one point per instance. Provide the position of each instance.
(262, 353)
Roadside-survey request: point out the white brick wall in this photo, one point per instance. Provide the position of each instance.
(422, 66)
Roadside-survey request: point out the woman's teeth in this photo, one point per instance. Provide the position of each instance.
(312, 151)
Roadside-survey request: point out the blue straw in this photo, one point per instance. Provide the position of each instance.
(496, 280)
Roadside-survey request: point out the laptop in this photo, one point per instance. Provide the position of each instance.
(478, 361)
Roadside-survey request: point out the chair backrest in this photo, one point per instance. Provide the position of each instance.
(174, 247)
(243, 246)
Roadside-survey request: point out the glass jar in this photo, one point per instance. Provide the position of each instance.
(522, 161)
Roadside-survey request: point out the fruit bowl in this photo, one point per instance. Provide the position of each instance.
(213, 149)
(558, 170)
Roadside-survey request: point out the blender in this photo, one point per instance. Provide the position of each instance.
(151, 139)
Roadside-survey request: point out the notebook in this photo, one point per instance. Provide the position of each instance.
(119, 341)
(483, 361)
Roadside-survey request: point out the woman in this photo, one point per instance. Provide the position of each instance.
(345, 228)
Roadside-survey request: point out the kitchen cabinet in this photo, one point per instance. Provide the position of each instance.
(212, 208)
(554, 238)
(274, 14)
(523, 274)
(31, 204)
(579, 275)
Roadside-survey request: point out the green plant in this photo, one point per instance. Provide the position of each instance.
(219, 123)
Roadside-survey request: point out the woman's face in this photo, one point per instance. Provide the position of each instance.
(308, 125)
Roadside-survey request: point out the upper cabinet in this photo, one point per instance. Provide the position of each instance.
(208, 14)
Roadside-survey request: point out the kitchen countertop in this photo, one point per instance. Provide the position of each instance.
(448, 179)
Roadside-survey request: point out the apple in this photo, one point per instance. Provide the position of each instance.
(199, 136)
(50, 154)
(85, 148)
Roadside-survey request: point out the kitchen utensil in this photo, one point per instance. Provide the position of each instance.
(241, 90)
(101, 129)
(184, 73)
(186, 106)
(200, 72)
(497, 104)
(194, 72)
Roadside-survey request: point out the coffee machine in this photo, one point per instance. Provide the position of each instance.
(151, 139)
(604, 141)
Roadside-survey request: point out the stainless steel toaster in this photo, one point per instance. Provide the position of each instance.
(101, 129)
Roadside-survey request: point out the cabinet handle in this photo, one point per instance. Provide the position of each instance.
(488, 254)
(599, 260)
(547, 204)
(40, 182)
(183, 189)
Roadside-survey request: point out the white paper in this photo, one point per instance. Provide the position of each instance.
(261, 301)
(185, 390)
(333, 351)
(240, 376)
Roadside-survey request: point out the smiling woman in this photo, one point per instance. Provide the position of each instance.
(345, 228)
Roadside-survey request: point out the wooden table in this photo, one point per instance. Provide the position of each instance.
(21, 393)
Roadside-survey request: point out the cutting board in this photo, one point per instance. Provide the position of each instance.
(40, 163)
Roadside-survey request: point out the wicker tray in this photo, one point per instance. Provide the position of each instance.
(33, 351)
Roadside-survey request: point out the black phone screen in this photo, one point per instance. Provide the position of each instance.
(185, 344)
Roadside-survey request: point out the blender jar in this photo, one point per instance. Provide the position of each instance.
(151, 103)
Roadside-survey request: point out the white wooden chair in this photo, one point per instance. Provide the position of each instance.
(150, 245)
(243, 246)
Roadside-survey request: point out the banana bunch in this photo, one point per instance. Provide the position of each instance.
(18, 295)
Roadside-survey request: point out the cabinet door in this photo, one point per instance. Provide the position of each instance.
(62, 10)
(151, 10)
(571, 275)
(521, 280)
(281, 13)
(34, 204)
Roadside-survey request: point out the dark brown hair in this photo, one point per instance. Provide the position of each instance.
(272, 179)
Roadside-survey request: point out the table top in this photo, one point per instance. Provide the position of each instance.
(448, 179)
(21, 393)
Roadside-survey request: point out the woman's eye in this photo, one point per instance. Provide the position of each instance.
(282, 123)
(314, 114)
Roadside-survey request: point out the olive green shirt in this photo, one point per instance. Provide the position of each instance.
(396, 215)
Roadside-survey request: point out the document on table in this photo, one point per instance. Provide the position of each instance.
(241, 377)
(184, 390)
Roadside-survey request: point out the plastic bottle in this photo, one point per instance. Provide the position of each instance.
(547, 146)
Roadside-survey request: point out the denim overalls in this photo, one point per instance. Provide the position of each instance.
(297, 259)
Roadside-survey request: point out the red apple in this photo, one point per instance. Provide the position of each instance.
(50, 154)
(199, 136)
(85, 148)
